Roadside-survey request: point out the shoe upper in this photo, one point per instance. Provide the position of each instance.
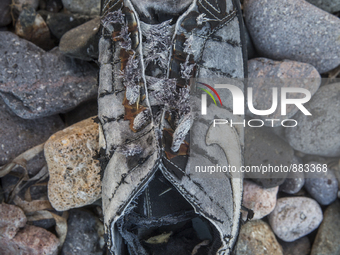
(148, 54)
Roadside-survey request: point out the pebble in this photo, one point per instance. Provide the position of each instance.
(86, 45)
(11, 219)
(5, 12)
(86, 7)
(261, 201)
(82, 112)
(328, 236)
(32, 27)
(30, 240)
(323, 186)
(60, 23)
(264, 74)
(295, 217)
(256, 238)
(301, 246)
(19, 5)
(35, 83)
(74, 171)
(293, 183)
(51, 5)
(18, 135)
(327, 5)
(318, 134)
(283, 30)
(265, 148)
(83, 234)
(295, 180)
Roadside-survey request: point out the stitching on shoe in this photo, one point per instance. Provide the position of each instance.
(174, 165)
(218, 71)
(232, 15)
(147, 193)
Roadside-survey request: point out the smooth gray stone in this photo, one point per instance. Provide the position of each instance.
(327, 5)
(301, 246)
(295, 180)
(323, 186)
(86, 7)
(295, 217)
(295, 30)
(82, 42)
(318, 134)
(35, 83)
(327, 239)
(293, 183)
(82, 234)
(18, 135)
(263, 148)
(264, 74)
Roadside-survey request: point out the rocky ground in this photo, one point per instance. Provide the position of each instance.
(50, 178)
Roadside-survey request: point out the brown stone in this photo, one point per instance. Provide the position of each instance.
(32, 27)
(262, 201)
(31, 240)
(74, 171)
(11, 219)
(256, 238)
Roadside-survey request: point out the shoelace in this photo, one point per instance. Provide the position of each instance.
(156, 50)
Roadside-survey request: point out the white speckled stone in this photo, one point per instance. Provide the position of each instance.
(262, 201)
(295, 217)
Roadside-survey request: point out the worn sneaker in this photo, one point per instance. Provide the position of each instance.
(149, 52)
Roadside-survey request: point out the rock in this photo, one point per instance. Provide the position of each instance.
(60, 23)
(263, 242)
(86, 45)
(282, 30)
(295, 180)
(82, 234)
(34, 165)
(299, 247)
(5, 12)
(32, 27)
(18, 135)
(318, 134)
(323, 186)
(261, 201)
(19, 5)
(86, 7)
(264, 74)
(295, 217)
(11, 219)
(328, 236)
(293, 183)
(265, 149)
(82, 112)
(327, 5)
(74, 171)
(35, 83)
(30, 240)
(51, 5)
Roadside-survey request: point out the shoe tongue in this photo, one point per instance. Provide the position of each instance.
(158, 11)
